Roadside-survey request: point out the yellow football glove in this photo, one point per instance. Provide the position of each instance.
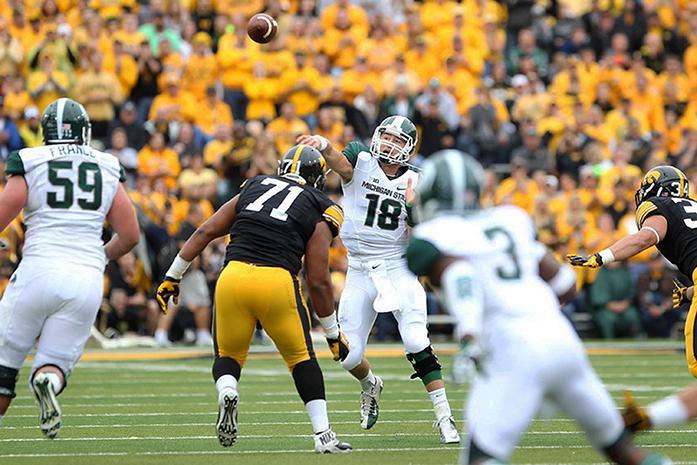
(634, 416)
(679, 294)
(586, 261)
(339, 347)
(168, 288)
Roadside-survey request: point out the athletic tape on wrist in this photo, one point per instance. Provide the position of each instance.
(178, 268)
(607, 256)
(330, 325)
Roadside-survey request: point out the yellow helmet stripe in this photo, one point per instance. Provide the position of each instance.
(296, 158)
(682, 179)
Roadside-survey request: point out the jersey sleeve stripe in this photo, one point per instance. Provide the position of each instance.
(336, 211)
(642, 213)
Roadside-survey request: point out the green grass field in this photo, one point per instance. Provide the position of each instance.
(163, 412)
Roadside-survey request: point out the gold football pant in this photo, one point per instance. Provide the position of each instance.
(690, 349)
(245, 294)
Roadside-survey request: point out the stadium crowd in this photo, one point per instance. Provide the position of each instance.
(566, 102)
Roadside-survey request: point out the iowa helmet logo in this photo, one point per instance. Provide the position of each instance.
(652, 176)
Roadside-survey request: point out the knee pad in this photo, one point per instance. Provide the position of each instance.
(65, 376)
(309, 381)
(354, 357)
(8, 381)
(425, 365)
(226, 366)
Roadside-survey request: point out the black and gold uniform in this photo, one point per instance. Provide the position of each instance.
(275, 218)
(664, 191)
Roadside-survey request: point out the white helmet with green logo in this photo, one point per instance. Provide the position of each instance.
(66, 122)
(452, 182)
(389, 151)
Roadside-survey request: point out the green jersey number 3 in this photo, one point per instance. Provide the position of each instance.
(89, 180)
(388, 216)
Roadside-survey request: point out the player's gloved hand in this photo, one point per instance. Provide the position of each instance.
(679, 294)
(168, 288)
(587, 261)
(634, 416)
(339, 347)
(468, 362)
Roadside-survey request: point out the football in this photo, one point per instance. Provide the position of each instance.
(262, 28)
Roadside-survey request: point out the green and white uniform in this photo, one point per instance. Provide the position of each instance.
(57, 288)
(375, 232)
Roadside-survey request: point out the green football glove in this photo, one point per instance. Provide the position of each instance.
(168, 288)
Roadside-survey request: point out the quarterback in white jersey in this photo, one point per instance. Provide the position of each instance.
(67, 191)
(505, 289)
(377, 184)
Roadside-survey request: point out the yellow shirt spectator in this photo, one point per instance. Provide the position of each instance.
(343, 14)
(98, 90)
(201, 70)
(435, 13)
(211, 112)
(47, 84)
(156, 160)
(262, 92)
(236, 56)
(285, 129)
(220, 146)
(173, 104)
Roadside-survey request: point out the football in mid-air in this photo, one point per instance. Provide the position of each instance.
(262, 28)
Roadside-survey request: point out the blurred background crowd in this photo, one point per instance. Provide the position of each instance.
(565, 102)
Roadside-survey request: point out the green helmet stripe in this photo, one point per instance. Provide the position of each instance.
(59, 116)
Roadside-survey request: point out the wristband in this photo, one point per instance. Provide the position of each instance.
(330, 325)
(607, 256)
(178, 268)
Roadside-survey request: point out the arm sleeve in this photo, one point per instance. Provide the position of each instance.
(463, 297)
(421, 255)
(352, 150)
(15, 165)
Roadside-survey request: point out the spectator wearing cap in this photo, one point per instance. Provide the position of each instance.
(10, 140)
(99, 91)
(174, 104)
(16, 97)
(211, 112)
(11, 52)
(285, 129)
(47, 83)
(122, 65)
(156, 160)
(30, 129)
(201, 69)
(156, 30)
(447, 106)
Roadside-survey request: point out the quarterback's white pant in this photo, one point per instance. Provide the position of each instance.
(519, 376)
(58, 305)
(357, 315)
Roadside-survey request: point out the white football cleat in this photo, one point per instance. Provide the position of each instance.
(370, 408)
(226, 426)
(327, 443)
(448, 430)
(49, 409)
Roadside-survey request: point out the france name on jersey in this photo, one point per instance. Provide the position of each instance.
(70, 191)
(375, 216)
(500, 245)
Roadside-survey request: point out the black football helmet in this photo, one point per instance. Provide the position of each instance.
(662, 181)
(304, 165)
